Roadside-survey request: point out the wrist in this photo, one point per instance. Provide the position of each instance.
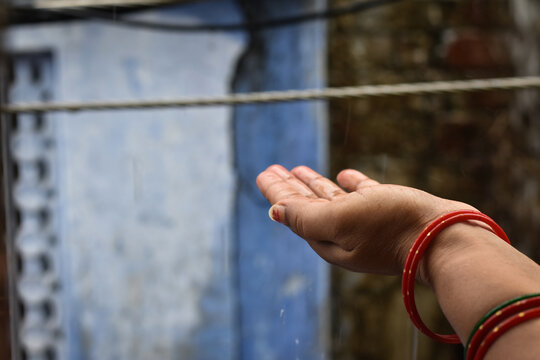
(449, 241)
(418, 251)
(456, 245)
(469, 265)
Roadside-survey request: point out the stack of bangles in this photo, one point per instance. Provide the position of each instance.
(496, 322)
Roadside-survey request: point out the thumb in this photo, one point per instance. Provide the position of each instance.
(311, 219)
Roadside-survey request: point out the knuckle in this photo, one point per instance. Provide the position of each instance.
(298, 224)
(273, 167)
(337, 192)
(316, 179)
(273, 185)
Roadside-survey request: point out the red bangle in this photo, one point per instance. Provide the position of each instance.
(415, 254)
(499, 316)
(503, 327)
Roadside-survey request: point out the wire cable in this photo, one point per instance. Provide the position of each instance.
(87, 14)
(58, 4)
(288, 95)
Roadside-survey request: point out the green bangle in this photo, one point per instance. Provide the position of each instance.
(493, 311)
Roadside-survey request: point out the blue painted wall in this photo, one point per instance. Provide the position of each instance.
(282, 282)
(168, 250)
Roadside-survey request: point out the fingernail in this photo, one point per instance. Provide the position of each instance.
(277, 213)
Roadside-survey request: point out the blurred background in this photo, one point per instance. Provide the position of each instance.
(140, 233)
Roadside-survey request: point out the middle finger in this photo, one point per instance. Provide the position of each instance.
(318, 183)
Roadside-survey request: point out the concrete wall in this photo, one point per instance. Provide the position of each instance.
(283, 283)
(145, 197)
(480, 148)
(162, 253)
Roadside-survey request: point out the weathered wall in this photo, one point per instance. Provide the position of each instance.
(144, 198)
(166, 248)
(523, 202)
(283, 283)
(480, 148)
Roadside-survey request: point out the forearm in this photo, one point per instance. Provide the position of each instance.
(372, 227)
(471, 271)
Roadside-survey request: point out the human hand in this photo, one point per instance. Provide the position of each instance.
(368, 229)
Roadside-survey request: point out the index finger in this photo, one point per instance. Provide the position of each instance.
(276, 187)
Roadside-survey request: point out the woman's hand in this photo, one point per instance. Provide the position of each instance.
(368, 229)
(372, 227)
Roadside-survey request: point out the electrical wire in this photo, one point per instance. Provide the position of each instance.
(289, 95)
(58, 4)
(87, 14)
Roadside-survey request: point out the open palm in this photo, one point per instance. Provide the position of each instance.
(368, 227)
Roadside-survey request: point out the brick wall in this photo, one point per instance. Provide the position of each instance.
(481, 148)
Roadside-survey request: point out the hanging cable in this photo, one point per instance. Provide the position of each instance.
(290, 95)
(59, 4)
(87, 14)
